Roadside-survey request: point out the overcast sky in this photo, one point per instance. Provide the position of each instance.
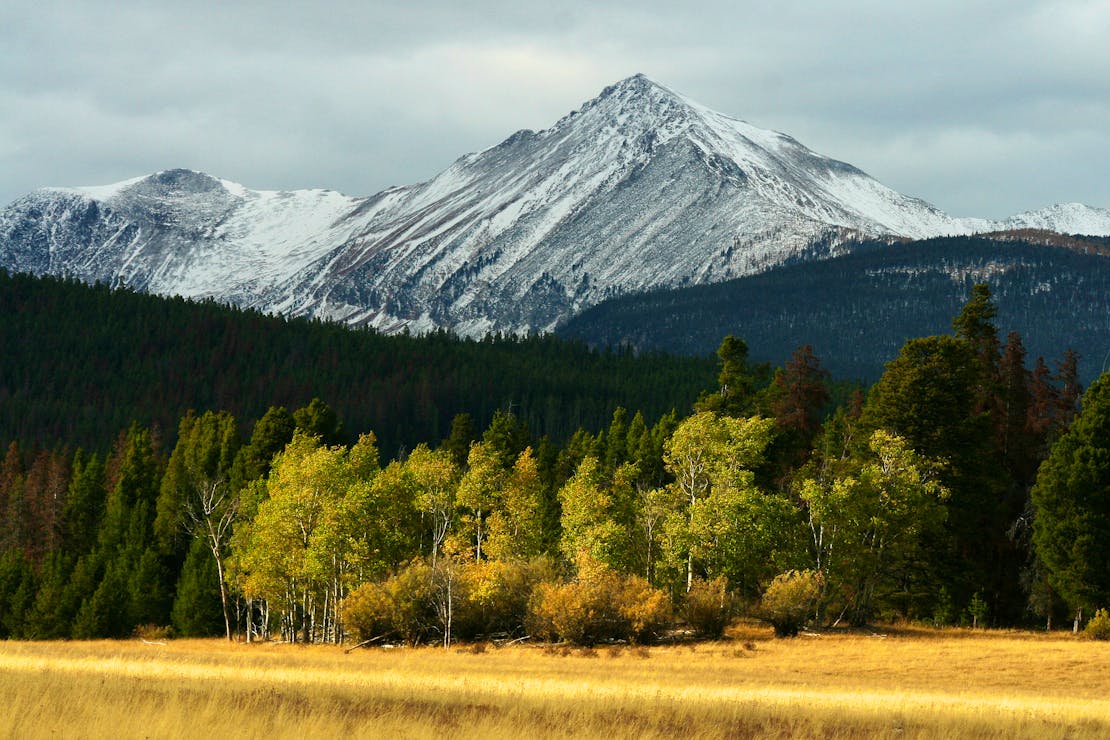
(982, 108)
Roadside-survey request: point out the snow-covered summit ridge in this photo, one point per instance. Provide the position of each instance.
(1064, 218)
(639, 188)
(175, 232)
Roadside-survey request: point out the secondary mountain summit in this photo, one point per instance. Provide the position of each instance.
(640, 188)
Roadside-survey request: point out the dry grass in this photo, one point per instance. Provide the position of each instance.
(907, 684)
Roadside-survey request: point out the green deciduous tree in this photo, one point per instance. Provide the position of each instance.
(480, 492)
(435, 482)
(517, 527)
(589, 524)
(867, 528)
(719, 513)
(293, 553)
(744, 533)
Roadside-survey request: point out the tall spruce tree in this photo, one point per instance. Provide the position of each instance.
(736, 381)
(270, 435)
(18, 584)
(1071, 499)
(196, 606)
(928, 396)
(134, 587)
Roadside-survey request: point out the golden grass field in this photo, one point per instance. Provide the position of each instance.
(910, 683)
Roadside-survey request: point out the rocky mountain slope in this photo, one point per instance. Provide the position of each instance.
(641, 188)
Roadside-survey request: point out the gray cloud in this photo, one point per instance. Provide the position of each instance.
(984, 108)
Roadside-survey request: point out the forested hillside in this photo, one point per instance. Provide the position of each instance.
(925, 500)
(857, 309)
(81, 363)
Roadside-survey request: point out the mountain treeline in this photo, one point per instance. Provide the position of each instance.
(858, 308)
(78, 363)
(969, 485)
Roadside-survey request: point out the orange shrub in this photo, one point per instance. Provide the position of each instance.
(599, 605)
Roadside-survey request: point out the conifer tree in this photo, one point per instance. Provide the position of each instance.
(928, 396)
(1015, 437)
(616, 440)
(270, 435)
(736, 381)
(84, 504)
(462, 435)
(104, 614)
(13, 502)
(506, 437)
(18, 584)
(196, 608)
(1067, 376)
(53, 612)
(133, 586)
(317, 419)
(1071, 498)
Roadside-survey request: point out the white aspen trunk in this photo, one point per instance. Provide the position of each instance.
(478, 552)
(333, 614)
(693, 473)
(310, 621)
(450, 612)
(223, 591)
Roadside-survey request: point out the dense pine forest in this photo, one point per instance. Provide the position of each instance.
(970, 485)
(80, 363)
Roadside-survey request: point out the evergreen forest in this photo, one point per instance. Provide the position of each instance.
(969, 485)
(80, 363)
(857, 308)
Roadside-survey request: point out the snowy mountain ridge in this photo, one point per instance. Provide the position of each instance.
(640, 188)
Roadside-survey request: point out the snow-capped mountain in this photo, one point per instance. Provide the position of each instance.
(640, 188)
(1063, 218)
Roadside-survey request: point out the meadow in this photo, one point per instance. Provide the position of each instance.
(900, 683)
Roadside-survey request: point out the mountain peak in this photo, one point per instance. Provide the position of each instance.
(638, 81)
(639, 87)
(177, 181)
(180, 181)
